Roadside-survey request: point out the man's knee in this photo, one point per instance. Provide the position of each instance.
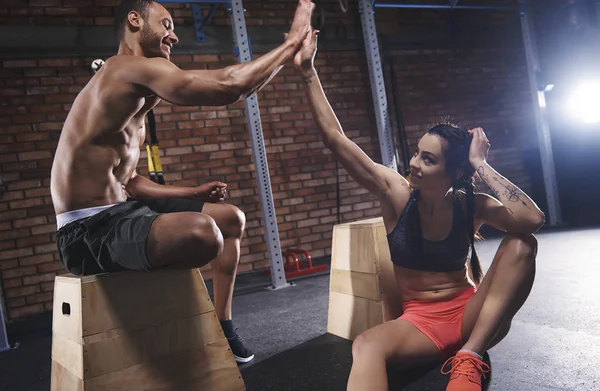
(524, 246)
(235, 221)
(207, 236)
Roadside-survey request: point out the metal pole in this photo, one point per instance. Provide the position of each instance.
(541, 120)
(4, 345)
(446, 6)
(402, 140)
(386, 141)
(244, 54)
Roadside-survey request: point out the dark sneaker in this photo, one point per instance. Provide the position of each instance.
(241, 353)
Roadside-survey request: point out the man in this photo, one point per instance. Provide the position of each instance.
(108, 217)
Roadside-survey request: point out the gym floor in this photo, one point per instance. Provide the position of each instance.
(554, 343)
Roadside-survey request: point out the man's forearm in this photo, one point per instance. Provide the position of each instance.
(142, 187)
(253, 75)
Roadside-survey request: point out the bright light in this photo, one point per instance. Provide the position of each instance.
(585, 102)
(541, 99)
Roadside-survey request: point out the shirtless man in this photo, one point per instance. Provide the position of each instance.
(111, 219)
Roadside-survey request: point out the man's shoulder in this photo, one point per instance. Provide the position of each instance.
(126, 61)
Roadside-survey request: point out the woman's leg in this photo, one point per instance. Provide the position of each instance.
(501, 294)
(398, 342)
(488, 313)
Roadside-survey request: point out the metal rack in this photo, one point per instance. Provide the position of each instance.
(367, 7)
(243, 51)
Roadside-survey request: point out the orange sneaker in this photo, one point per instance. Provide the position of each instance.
(465, 372)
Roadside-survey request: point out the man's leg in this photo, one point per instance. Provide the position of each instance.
(231, 222)
(222, 223)
(183, 240)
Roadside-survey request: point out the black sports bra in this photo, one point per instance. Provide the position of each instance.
(409, 249)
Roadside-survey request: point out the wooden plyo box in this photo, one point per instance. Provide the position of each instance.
(362, 291)
(139, 331)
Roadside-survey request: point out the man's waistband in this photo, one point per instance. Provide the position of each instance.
(78, 214)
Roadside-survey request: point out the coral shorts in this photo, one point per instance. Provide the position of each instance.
(441, 321)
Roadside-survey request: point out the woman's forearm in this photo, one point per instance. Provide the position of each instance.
(518, 204)
(323, 115)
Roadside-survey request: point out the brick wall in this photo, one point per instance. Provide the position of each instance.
(477, 87)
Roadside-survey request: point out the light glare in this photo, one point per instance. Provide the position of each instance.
(585, 102)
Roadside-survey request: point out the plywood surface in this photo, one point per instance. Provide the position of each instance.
(350, 315)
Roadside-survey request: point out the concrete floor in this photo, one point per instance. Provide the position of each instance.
(554, 343)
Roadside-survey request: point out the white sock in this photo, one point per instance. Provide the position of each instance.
(472, 352)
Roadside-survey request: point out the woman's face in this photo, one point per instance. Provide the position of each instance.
(428, 165)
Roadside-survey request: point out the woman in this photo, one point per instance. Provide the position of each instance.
(449, 310)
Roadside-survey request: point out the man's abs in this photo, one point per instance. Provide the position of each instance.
(81, 185)
(99, 145)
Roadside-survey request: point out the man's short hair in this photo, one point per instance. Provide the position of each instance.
(124, 8)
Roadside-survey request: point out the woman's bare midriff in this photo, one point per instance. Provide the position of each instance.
(421, 285)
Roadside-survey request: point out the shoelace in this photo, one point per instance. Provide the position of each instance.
(236, 335)
(461, 366)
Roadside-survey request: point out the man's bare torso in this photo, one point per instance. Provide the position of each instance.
(99, 146)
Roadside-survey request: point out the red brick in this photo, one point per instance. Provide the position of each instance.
(19, 63)
(59, 98)
(38, 278)
(18, 272)
(42, 229)
(26, 203)
(55, 81)
(42, 90)
(21, 185)
(30, 222)
(20, 312)
(50, 267)
(45, 248)
(49, 126)
(22, 291)
(77, 3)
(47, 286)
(14, 303)
(44, 297)
(37, 192)
(12, 283)
(34, 155)
(12, 215)
(35, 259)
(7, 244)
(205, 58)
(33, 240)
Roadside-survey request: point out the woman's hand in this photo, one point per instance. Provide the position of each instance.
(480, 145)
(304, 58)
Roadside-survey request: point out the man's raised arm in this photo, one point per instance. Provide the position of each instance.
(218, 87)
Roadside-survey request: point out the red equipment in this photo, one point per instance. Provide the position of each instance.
(293, 265)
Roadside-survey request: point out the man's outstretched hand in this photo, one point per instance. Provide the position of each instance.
(211, 192)
(301, 23)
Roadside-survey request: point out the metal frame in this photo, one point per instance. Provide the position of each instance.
(541, 120)
(243, 52)
(386, 141)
